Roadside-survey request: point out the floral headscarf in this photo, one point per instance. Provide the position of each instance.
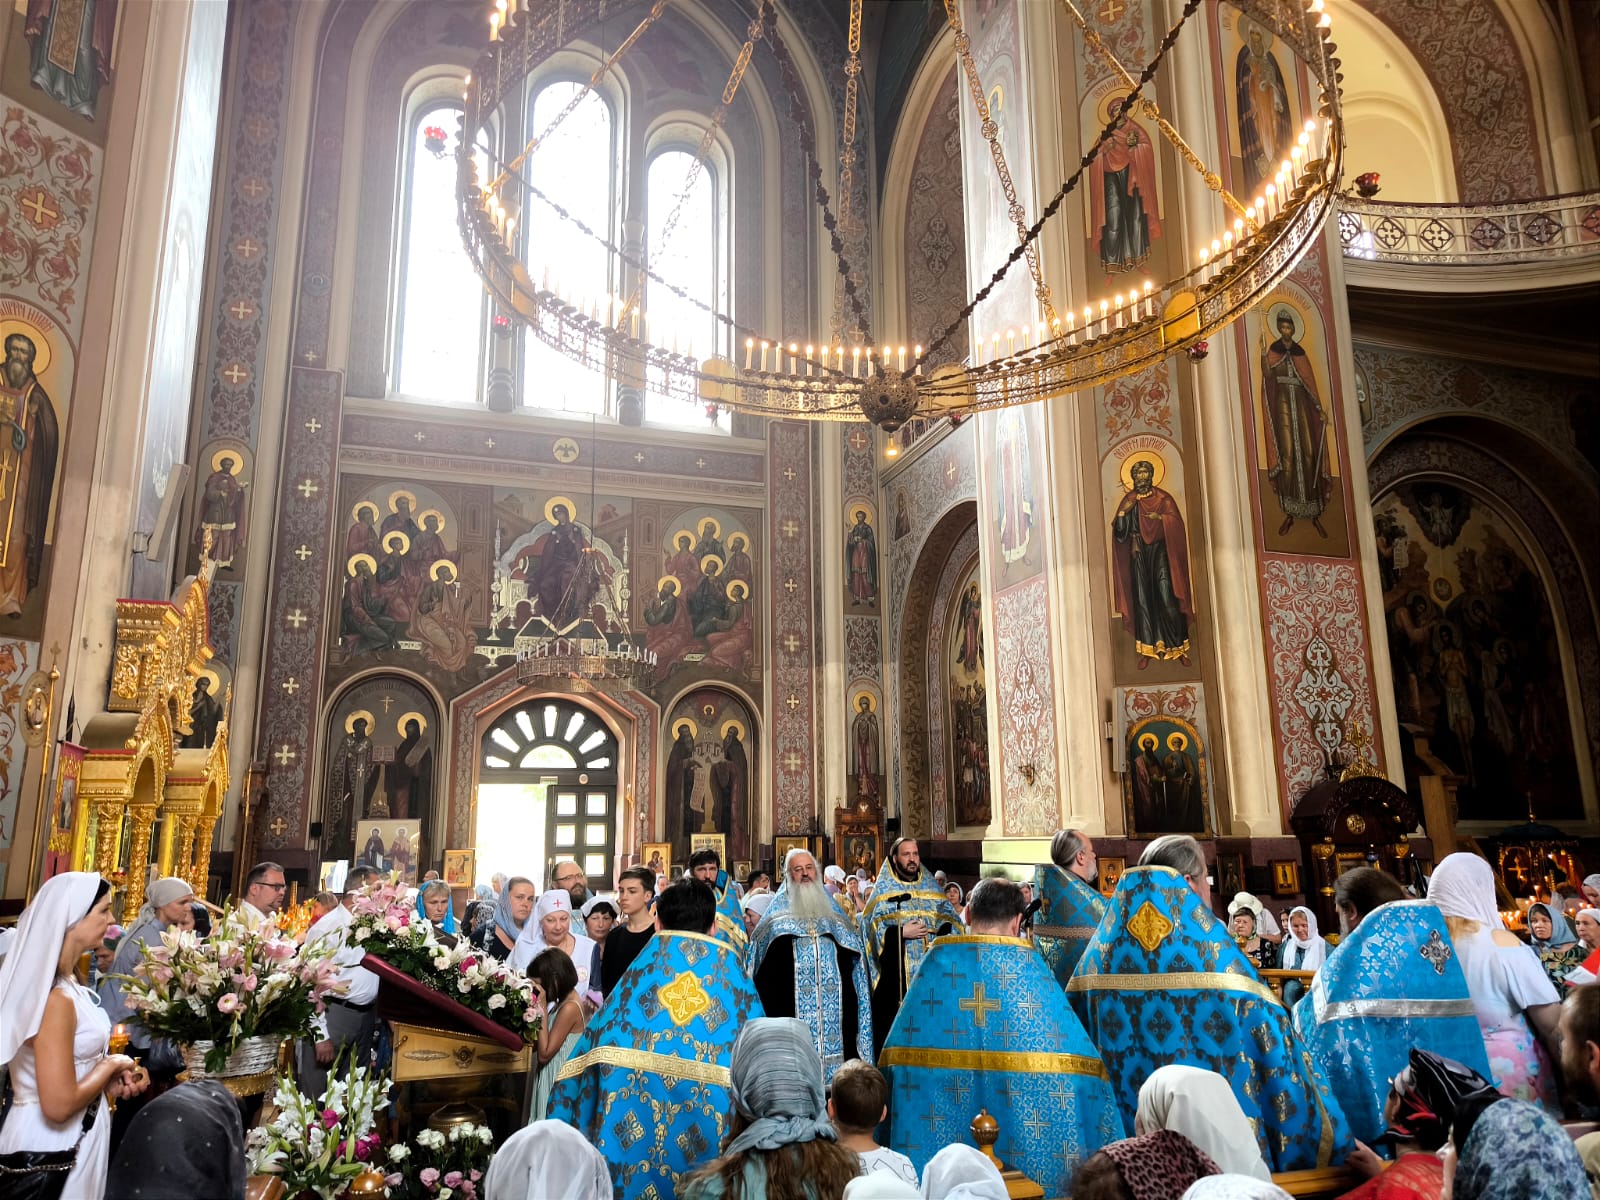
(1517, 1151)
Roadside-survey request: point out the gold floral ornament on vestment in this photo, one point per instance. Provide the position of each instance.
(1149, 926)
(683, 998)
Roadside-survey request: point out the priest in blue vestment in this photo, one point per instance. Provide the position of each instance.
(986, 1026)
(1394, 984)
(647, 1082)
(1162, 982)
(907, 908)
(1070, 905)
(705, 866)
(807, 961)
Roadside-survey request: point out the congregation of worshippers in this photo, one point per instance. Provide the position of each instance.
(825, 1034)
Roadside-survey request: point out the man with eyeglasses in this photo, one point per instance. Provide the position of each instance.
(568, 874)
(264, 887)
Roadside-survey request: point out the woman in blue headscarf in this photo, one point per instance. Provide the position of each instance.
(1557, 946)
(780, 1145)
(434, 907)
(1511, 1150)
(511, 910)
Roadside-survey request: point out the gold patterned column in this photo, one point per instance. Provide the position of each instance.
(108, 834)
(202, 855)
(140, 817)
(183, 862)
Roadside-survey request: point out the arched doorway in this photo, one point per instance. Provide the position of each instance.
(547, 789)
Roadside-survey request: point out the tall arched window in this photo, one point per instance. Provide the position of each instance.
(574, 167)
(691, 256)
(443, 308)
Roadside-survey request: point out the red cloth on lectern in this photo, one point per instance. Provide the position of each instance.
(402, 998)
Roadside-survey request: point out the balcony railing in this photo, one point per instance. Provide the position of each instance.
(1524, 231)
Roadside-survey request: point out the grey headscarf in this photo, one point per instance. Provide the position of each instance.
(162, 893)
(1560, 932)
(502, 908)
(777, 1082)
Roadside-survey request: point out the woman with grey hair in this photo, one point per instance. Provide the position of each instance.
(780, 1145)
(1184, 855)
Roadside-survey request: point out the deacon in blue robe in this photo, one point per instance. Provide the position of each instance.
(705, 866)
(1392, 985)
(1070, 906)
(985, 1025)
(647, 1082)
(907, 909)
(807, 961)
(1162, 982)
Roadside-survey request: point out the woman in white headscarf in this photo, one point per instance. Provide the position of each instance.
(1234, 1187)
(1244, 920)
(960, 1172)
(880, 1185)
(755, 908)
(1518, 1009)
(53, 1034)
(548, 1160)
(1303, 950)
(550, 927)
(1201, 1105)
(780, 1144)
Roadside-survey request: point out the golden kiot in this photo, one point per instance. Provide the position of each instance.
(683, 998)
(1149, 926)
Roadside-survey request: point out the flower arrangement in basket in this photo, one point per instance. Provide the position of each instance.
(441, 1166)
(384, 924)
(230, 999)
(321, 1145)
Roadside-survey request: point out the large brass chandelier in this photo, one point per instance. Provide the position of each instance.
(848, 374)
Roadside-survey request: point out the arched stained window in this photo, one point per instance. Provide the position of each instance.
(443, 311)
(690, 255)
(574, 167)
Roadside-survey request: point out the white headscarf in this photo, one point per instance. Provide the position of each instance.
(548, 1160)
(1592, 913)
(880, 1185)
(1201, 1106)
(1234, 1187)
(30, 967)
(1245, 902)
(1315, 945)
(960, 1172)
(1463, 887)
(1593, 881)
(531, 943)
(759, 902)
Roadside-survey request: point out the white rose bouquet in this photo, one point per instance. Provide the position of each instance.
(386, 926)
(243, 981)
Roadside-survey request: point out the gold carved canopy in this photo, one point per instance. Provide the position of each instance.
(136, 786)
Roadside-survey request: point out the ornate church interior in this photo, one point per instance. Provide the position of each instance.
(461, 437)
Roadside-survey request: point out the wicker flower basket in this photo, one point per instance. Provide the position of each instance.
(252, 1056)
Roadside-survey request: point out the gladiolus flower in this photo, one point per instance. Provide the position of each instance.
(330, 1119)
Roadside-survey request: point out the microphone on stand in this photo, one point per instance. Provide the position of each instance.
(1029, 913)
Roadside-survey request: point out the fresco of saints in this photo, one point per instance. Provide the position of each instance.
(969, 619)
(1297, 438)
(1124, 211)
(861, 560)
(666, 618)
(865, 741)
(1150, 556)
(1266, 125)
(29, 435)
(440, 623)
(552, 568)
(364, 621)
(681, 769)
(222, 511)
(1014, 495)
(363, 535)
(70, 48)
(739, 564)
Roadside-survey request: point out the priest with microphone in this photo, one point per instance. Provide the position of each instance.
(907, 909)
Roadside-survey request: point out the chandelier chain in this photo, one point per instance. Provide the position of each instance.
(707, 137)
(1152, 111)
(571, 106)
(1066, 189)
(807, 138)
(847, 151)
(991, 134)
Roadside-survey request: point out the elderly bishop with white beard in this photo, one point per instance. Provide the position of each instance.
(806, 960)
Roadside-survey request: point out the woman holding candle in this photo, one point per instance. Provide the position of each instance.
(54, 1036)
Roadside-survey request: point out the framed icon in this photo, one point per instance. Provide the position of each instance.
(711, 841)
(782, 846)
(1285, 877)
(458, 867)
(1230, 874)
(657, 856)
(1111, 870)
(742, 869)
(390, 846)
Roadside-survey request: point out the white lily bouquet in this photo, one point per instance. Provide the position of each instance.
(321, 1145)
(387, 927)
(244, 981)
